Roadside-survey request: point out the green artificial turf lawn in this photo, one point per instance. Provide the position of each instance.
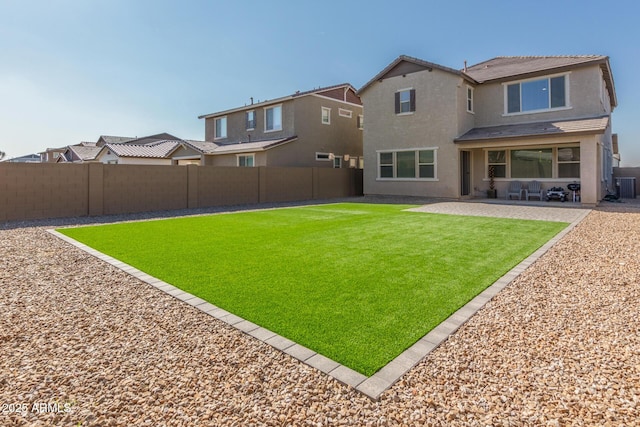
(358, 283)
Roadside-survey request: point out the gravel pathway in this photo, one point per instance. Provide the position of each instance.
(559, 346)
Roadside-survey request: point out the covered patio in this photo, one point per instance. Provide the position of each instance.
(555, 154)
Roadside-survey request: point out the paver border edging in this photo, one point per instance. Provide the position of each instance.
(379, 382)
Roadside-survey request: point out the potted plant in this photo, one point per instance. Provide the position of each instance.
(492, 193)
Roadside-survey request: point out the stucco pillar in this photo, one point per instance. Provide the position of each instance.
(590, 169)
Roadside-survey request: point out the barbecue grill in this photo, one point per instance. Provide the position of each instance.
(575, 187)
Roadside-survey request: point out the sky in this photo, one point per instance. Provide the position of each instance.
(72, 70)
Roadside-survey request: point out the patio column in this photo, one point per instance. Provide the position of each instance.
(590, 170)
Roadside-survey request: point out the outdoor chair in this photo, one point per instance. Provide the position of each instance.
(515, 189)
(534, 189)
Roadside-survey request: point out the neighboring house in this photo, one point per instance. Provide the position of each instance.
(51, 155)
(320, 127)
(434, 131)
(29, 158)
(158, 149)
(107, 139)
(80, 153)
(143, 151)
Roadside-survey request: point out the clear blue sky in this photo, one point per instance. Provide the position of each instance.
(72, 70)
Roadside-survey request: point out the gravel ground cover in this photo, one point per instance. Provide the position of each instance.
(559, 346)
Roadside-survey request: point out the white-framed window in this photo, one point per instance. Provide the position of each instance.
(345, 113)
(250, 120)
(246, 160)
(561, 162)
(405, 101)
(360, 121)
(221, 128)
(325, 115)
(361, 163)
(568, 162)
(536, 95)
(273, 118)
(498, 160)
(323, 157)
(413, 164)
(469, 99)
(337, 162)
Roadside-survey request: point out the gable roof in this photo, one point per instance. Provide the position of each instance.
(584, 126)
(206, 147)
(85, 152)
(108, 139)
(513, 66)
(503, 68)
(260, 145)
(158, 150)
(337, 92)
(152, 139)
(425, 65)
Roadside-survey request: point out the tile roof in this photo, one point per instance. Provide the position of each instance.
(205, 147)
(108, 139)
(85, 152)
(512, 66)
(244, 147)
(276, 100)
(159, 150)
(152, 139)
(549, 128)
(417, 61)
(508, 67)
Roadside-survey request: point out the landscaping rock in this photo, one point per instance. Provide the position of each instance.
(82, 343)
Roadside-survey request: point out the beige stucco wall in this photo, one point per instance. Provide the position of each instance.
(591, 180)
(341, 136)
(434, 124)
(231, 160)
(584, 96)
(303, 118)
(236, 125)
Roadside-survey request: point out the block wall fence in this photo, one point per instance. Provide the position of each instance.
(39, 191)
(629, 172)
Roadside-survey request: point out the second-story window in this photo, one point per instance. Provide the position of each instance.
(536, 95)
(273, 118)
(326, 115)
(250, 119)
(221, 128)
(470, 99)
(405, 101)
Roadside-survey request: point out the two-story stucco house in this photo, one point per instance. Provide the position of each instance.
(436, 131)
(317, 128)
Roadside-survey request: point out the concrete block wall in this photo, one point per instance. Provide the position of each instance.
(38, 191)
(629, 172)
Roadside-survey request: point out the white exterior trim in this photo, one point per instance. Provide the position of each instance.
(343, 112)
(337, 100)
(328, 110)
(394, 179)
(265, 118)
(567, 94)
(251, 155)
(215, 128)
